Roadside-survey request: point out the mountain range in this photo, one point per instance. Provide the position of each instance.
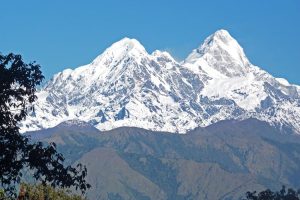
(115, 115)
(127, 86)
(221, 161)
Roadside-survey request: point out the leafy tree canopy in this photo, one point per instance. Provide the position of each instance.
(42, 192)
(18, 82)
(283, 194)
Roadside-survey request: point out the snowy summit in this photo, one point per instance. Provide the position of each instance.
(127, 86)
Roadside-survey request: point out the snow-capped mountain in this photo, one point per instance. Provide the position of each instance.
(127, 86)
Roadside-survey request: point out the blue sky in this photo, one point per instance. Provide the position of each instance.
(66, 34)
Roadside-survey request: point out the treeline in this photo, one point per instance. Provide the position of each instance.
(41, 192)
(283, 194)
(46, 192)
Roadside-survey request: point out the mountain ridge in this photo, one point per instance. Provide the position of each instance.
(127, 86)
(133, 162)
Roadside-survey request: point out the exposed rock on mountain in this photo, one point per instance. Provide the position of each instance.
(127, 86)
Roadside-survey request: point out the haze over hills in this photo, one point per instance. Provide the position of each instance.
(221, 161)
(127, 86)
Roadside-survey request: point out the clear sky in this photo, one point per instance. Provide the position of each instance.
(61, 34)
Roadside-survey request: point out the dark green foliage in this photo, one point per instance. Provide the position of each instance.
(283, 194)
(18, 82)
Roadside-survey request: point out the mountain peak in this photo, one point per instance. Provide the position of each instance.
(222, 40)
(222, 34)
(223, 53)
(121, 49)
(164, 54)
(129, 44)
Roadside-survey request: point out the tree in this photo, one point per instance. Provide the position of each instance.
(283, 194)
(45, 192)
(42, 192)
(18, 82)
